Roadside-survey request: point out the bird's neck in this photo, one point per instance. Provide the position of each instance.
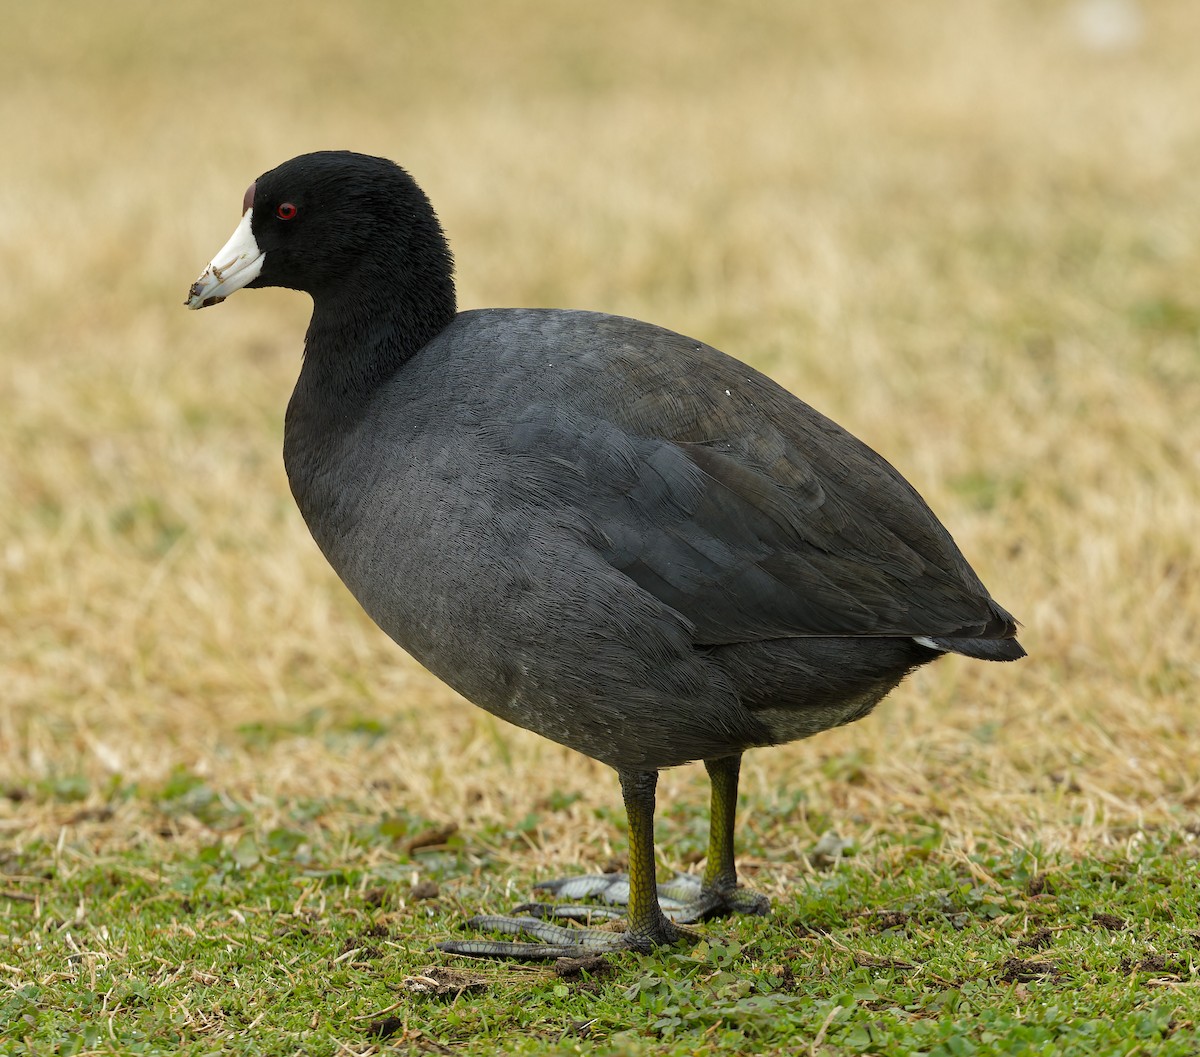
(357, 341)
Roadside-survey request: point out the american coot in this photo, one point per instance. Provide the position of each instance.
(594, 528)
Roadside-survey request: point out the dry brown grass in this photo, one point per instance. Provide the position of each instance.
(954, 227)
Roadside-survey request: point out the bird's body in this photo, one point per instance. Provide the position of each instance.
(558, 554)
(595, 528)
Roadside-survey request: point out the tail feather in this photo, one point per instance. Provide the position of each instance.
(981, 649)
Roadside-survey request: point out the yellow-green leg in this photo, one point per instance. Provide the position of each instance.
(647, 925)
(684, 899)
(720, 870)
(720, 892)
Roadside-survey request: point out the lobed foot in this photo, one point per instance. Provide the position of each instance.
(683, 899)
(654, 912)
(557, 941)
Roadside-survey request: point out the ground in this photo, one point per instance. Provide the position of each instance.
(234, 816)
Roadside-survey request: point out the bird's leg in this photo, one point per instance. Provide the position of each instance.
(719, 891)
(720, 869)
(685, 899)
(647, 927)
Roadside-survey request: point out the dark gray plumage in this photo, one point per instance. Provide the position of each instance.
(594, 528)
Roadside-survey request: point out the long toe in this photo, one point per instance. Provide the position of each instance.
(553, 941)
(679, 893)
(582, 912)
(683, 898)
(613, 889)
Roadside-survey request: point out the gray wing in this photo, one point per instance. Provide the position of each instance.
(723, 495)
(751, 533)
(744, 556)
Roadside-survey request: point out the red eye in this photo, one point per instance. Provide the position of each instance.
(286, 211)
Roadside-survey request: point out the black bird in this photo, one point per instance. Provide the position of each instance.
(595, 528)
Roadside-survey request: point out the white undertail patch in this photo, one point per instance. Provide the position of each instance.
(925, 640)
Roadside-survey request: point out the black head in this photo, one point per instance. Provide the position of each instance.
(333, 220)
(349, 229)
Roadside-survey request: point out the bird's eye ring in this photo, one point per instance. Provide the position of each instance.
(286, 211)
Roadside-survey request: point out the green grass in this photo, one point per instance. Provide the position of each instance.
(313, 937)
